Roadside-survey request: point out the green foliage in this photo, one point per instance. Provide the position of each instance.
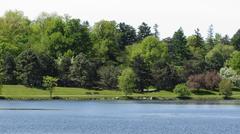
(57, 35)
(9, 69)
(150, 49)
(91, 56)
(182, 90)
(108, 76)
(49, 83)
(143, 31)
(216, 57)
(80, 71)
(210, 39)
(28, 69)
(180, 53)
(234, 61)
(64, 71)
(127, 35)
(105, 37)
(164, 76)
(143, 73)
(14, 30)
(230, 74)
(225, 88)
(48, 65)
(236, 40)
(127, 81)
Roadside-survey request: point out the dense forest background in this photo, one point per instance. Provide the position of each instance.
(109, 53)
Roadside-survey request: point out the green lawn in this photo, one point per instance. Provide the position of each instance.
(22, 92)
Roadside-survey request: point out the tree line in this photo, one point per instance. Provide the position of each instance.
(112, 55)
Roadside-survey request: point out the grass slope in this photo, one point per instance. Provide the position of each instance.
(22, 92)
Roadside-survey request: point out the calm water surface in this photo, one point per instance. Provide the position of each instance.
(118, 117)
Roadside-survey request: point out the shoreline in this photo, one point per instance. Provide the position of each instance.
(159, 101)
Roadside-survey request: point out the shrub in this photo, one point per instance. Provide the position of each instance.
(195, 81)
(209, 80)
(225, 88)
(182, 90)
(230, 74)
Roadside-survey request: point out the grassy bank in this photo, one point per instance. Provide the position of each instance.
(23, 93)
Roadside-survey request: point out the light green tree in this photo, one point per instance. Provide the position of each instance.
(105, 37)
(234, 61)
(49, 83)
(150, 49)
(127, 81)
(225, 88)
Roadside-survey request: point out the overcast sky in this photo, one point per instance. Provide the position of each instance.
(168, 14)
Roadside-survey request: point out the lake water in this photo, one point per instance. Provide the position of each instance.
(118, 117)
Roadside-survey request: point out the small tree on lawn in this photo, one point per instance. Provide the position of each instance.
(49, 83)
(182, 90)
(225, 88)
(127, 81)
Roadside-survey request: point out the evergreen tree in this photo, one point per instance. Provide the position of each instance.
(210, 40)
(179, 47)
(64, 71)
(236, 40)
(29, 69)
(9, 70)
(128, 35)
(80, 71)
(225, 40)
(143, 31)
(142, 71)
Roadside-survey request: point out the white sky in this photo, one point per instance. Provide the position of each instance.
(168, 14)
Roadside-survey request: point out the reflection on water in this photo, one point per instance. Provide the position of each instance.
(119, 117)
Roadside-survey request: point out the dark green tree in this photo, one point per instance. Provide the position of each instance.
(225, 40)
(143, 73)
(80, 71)
(108, 76)
(78, 37)
(180, 50)
(143, 31)
(64, 71)
(48, 65)
(216, 57)
(156, 32)
(210, 39)
(164, 76)
(9, 70)
(29, 69)
(236, 40)
(127, 35)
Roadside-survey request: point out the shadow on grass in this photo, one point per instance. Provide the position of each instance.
(228, 98)
(203, 92)
(236, 89)
(2, 98)
(184, 98)
(57, 98)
